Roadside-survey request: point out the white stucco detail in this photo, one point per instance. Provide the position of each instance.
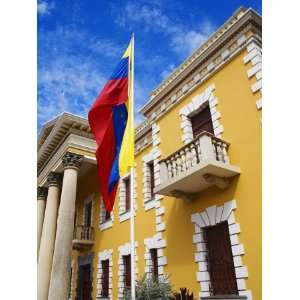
(123, 214)
(198, 103)
(104, 255)
(108, 223)
(254, 59)
(156, 242)
(211, 216)
(125, 250)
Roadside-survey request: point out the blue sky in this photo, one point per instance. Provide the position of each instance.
(80, 42)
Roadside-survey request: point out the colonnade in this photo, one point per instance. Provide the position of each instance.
(55, 220)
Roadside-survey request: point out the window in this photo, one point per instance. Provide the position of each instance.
(107, 216)
(220, 261)
(202, 122)
(127, 193)
(154, 271)
(88, 214)
(105, 278)
(127, 271)
(151, 172)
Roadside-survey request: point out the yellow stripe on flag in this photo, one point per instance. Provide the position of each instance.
(126, 158)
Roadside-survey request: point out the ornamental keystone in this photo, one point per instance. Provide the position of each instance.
(72, 160)
(42, 192)
(54, 179)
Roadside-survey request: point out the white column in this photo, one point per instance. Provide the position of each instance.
(48, 236)
(41, 204)
(61, 267)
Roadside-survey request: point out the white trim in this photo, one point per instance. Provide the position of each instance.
(255, 57)
(123, 214)
(104, 255)
(103, 225)
(211, 216)
(198, 103)
(156, 242)
(125, 249)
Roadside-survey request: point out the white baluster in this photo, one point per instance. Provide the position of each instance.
(183, 160)
(188, 157)
(193, 154)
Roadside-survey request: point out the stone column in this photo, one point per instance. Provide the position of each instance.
(48, 236)
(60, 275)
(41, 204)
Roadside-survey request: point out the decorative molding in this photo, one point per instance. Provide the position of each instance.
(54, 179)
(156, 242)
(105, 255)
(254, 58)
(210, 217)
(42, 193)
(198, 103)
(220, 47)
(123, 214)
(125, 250)
(72, 161)
(105, 224)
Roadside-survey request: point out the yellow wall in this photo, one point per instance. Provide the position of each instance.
(242, 128)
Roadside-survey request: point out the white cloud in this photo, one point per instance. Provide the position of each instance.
(44, 7)
(183, 40)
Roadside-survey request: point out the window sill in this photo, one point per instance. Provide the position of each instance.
(124, 216)
(105, 225)
(149, 204)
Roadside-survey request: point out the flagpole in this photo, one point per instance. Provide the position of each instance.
(132, 209)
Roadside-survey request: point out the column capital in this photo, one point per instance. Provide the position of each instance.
(54, 179)
(72, 160)
(42, 192)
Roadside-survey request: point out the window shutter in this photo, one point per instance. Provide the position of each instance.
(88, 214)
(127, 194)
(152, 183)
(153, 253)
(202, 122)
(105, 277)
(220, 261)
(127, 271)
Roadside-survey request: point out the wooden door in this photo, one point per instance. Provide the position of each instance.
(88, 214)
(84, 282)
(105, 278)
(202, 122)
(154, 260)
(220, 261)
(127, 271)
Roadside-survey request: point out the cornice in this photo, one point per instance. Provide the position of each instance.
(205, 54)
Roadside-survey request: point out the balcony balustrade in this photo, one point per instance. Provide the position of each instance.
(83, 237)
(196, 166)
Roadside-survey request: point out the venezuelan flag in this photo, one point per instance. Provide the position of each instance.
(111, 121)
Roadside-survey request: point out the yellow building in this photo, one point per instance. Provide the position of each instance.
(197, 187)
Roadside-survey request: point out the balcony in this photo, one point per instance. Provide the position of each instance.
(196, 166)
(83, 237)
